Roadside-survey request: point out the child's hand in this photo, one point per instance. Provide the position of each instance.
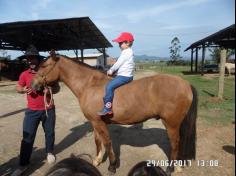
(109, 73)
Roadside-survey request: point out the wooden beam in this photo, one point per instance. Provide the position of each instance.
(191, 60)
(203, 58)
(223, 54)
(76, 53)
(104, 57)
(82, 55)
(196, 61)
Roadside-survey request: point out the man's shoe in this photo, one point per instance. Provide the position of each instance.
(51, 158)
(19, 171)
(105, 112)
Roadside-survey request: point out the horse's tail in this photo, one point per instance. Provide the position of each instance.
(187, 143)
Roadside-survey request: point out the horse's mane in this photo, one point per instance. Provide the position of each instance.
(83, 64)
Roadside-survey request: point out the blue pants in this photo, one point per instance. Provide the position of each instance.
(30, 126)
(113, 84)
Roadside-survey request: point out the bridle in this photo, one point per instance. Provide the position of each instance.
(43, 76)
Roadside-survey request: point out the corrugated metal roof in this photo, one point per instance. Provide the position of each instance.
(223, 38)
(58, 34)
(87, 55)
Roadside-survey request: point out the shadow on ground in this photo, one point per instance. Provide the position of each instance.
(12, 113)
(134, 136)
(38, 156)
(138, 137)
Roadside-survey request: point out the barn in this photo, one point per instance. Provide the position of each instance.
(71, 34)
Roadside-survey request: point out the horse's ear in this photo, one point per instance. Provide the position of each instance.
(53, 55)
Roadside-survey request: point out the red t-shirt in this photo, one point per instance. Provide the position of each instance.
(35, 99)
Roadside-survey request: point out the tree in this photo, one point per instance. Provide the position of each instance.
(215, 54)
(175, 50)
(230, 52)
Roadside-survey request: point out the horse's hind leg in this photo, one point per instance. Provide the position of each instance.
(173, 134)
(98, 143)
(103, 132)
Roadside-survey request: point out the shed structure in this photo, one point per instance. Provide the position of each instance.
(224, 38)
(58, 34)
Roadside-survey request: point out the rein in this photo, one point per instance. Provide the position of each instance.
(46, 104)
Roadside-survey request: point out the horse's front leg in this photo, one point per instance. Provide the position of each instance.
(98, 143)
(103, 133)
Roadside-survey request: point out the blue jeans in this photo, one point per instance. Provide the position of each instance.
(30, 126)
(113, 84)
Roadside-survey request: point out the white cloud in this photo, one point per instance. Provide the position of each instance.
(156, 10)
(178, 27)
(34, 15)
(42, 4)
(39, 6)
(103, 25)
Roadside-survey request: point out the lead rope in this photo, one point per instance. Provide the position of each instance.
(46, 104)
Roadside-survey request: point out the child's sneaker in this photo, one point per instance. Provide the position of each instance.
(105, 112)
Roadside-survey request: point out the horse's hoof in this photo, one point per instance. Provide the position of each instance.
(96, 162)
(178, 169)
(112, 169)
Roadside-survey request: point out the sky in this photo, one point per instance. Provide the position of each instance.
(154, 23)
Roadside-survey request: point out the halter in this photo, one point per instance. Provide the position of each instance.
(53, 55)
(43, 76)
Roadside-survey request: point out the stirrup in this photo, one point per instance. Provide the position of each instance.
(105, 112)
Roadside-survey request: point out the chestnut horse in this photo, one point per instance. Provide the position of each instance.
(165, 97)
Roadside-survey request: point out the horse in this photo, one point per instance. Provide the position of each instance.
(229, 68)
(162, 96)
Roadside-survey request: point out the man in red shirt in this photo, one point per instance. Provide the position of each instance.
(35, 113)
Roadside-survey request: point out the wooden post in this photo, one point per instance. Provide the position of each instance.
(82, 55)
(104, 57)
(196, 61)
(203, 58)
(0, 73)
(76, 53)
(191, 60)
(222, 73)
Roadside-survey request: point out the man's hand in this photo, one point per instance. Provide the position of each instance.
(21, 89)
(109, 73)
(27, 90)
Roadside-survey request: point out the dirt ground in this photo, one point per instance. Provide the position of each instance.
(146, 141)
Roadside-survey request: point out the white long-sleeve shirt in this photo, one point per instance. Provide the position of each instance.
(124, 64)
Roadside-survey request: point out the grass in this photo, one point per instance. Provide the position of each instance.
(211, 110)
